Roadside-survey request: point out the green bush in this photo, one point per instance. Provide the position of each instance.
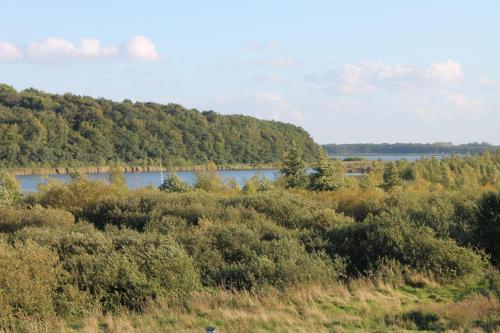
(488, 226)
(12, 219)
(173, 184)
(118, 268)
(367, 243)
(257, 184)
(166, 265)
(9, 189)
(29, 276)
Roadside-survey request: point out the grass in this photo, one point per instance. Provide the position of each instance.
(363, 305)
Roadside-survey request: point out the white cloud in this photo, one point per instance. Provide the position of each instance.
(55, 49)
(462, 102)
(445, 72)
(141, 48)
(369, 76)
(9, 52)
(92, 48)
(51, 49)
(277, 107)
(273, 98)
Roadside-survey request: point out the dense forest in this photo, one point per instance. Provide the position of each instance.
(407, 148)
(40, 129)
(407, 246)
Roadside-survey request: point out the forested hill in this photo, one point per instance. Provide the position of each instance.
(40, 129)
(407, 148)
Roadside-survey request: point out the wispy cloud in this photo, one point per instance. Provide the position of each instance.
(368, 76)
(462, 102)
(10, 52)
(403, 87)
(444, 72)
(59, 50)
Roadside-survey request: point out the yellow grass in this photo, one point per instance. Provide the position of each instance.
(362, 305)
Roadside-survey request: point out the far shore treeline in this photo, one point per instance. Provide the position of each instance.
(38, 129)
(407, 148)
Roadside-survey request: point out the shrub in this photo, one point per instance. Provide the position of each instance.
(118, 269)
(367, 243)
(488, 225)
(12, 219)
(9, 189)
(166, 265)
(28, 281)
(257, 184)
(173, 184)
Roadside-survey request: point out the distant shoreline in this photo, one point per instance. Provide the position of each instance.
(351, 166)
(134, 169)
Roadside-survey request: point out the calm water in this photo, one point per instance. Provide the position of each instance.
(137, 180)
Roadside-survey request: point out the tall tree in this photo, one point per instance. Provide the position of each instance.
(294, 168)
(327, 176)
(391, 176)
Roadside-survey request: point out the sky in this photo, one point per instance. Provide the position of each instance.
(346, 71)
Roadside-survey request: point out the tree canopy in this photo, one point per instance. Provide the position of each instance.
(40, 129)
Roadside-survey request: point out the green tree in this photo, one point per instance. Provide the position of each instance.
(488, 225)
(294, 169)
(391, 176)
(327, 176)
(208, 179)
(173, 184)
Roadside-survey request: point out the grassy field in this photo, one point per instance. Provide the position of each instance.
(362, 305)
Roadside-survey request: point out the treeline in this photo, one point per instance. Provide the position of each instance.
(407, 148)
(73, 248)
(40, 129)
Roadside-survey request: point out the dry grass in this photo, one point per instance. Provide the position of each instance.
(363, 305)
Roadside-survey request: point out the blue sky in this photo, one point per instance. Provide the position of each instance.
(350, 71)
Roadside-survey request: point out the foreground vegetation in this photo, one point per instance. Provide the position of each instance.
(46, 130)
(409, 246)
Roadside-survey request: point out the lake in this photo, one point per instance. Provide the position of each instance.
(142, 179)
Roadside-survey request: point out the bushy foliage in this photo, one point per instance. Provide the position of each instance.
(9, 189)
(328, 176)
(118, 269)
(393, 237)
(43, 129)
(488, 225)
(29, 276)
(174, 184)
(257, 184)
(208, 179)
(12, 219)
(111, 248)
(294, 168)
